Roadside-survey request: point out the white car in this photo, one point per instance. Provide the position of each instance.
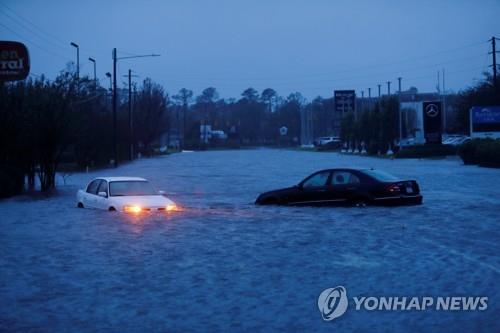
(124, 194)
(324, 140)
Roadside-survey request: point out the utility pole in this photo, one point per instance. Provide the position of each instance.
(400, 115)
(115, 142)
(130, 128)
(444, 105)
(389, 88)
(130, 116)
(362, 100)
(494, 53)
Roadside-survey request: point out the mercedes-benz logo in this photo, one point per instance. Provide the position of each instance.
(432, 110)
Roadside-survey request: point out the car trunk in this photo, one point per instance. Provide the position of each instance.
(408, 187)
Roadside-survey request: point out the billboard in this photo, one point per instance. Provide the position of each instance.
(432, 122)
(345, 100)
(485, 121)
(14, 61)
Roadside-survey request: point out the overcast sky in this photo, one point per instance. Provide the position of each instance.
(313, 47)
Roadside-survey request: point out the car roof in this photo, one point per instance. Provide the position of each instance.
(345, 169)
(121, 179)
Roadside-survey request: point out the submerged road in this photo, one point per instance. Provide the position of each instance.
(224, 264)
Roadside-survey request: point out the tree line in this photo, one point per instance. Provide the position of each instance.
(46, 124)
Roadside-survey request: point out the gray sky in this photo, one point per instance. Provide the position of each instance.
(311, 46)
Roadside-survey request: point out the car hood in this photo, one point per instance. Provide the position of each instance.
(147, 201)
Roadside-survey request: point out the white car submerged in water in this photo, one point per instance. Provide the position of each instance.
(124, 194)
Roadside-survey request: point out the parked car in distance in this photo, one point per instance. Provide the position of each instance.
(357, 187)
(124, 194)
(407, 142)
(326, 140)
(456, 140)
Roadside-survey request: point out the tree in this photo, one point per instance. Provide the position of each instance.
(480, 95)
(184, 97)
(207, 102)
(268, 96)
(151, 113)
(250, 95)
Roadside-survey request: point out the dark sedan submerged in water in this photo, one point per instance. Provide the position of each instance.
(357, 187)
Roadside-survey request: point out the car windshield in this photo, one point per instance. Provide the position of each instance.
(381, 175)
(130, 188)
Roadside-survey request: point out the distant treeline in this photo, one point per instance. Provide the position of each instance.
(44, 123)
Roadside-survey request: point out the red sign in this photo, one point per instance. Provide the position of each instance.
(14, 61)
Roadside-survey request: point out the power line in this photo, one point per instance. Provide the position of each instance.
(33, 43)
(33, 31)
(368, 66)
(380, 73)
(40, 33)
(34, 25)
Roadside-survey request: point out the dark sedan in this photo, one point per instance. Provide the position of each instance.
(346, 187)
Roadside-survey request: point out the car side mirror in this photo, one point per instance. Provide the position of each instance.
(102, 194)
(299, 186)
(161, 192)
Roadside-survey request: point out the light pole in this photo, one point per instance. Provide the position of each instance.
(108, 74)
(115, 132)
(370, 99)
(77, 59)
(400, 115)
(95, 77)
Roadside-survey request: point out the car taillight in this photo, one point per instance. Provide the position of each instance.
(393, 188)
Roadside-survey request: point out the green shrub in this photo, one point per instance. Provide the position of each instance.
(484, 152)
(422, 151)
(467, 151)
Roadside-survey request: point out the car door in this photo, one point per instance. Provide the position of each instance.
(345, 186)
(90, 196)
(102, 202)
(313, 190)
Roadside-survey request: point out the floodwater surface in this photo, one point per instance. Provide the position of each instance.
(223, 263)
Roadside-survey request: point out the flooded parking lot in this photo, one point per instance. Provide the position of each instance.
(224, 264)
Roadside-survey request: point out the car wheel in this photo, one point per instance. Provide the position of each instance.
(79, 205)
(360, 202)
(112, 209)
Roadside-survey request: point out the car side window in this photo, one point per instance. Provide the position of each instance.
(317, 180)
(344, 177)
(103, 187)
(93, 186)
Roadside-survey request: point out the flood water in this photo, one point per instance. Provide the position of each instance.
(224, 264)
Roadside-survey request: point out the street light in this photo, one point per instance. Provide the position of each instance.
(77, 59)
(115, 131)
(108, 74)
(95, 78)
